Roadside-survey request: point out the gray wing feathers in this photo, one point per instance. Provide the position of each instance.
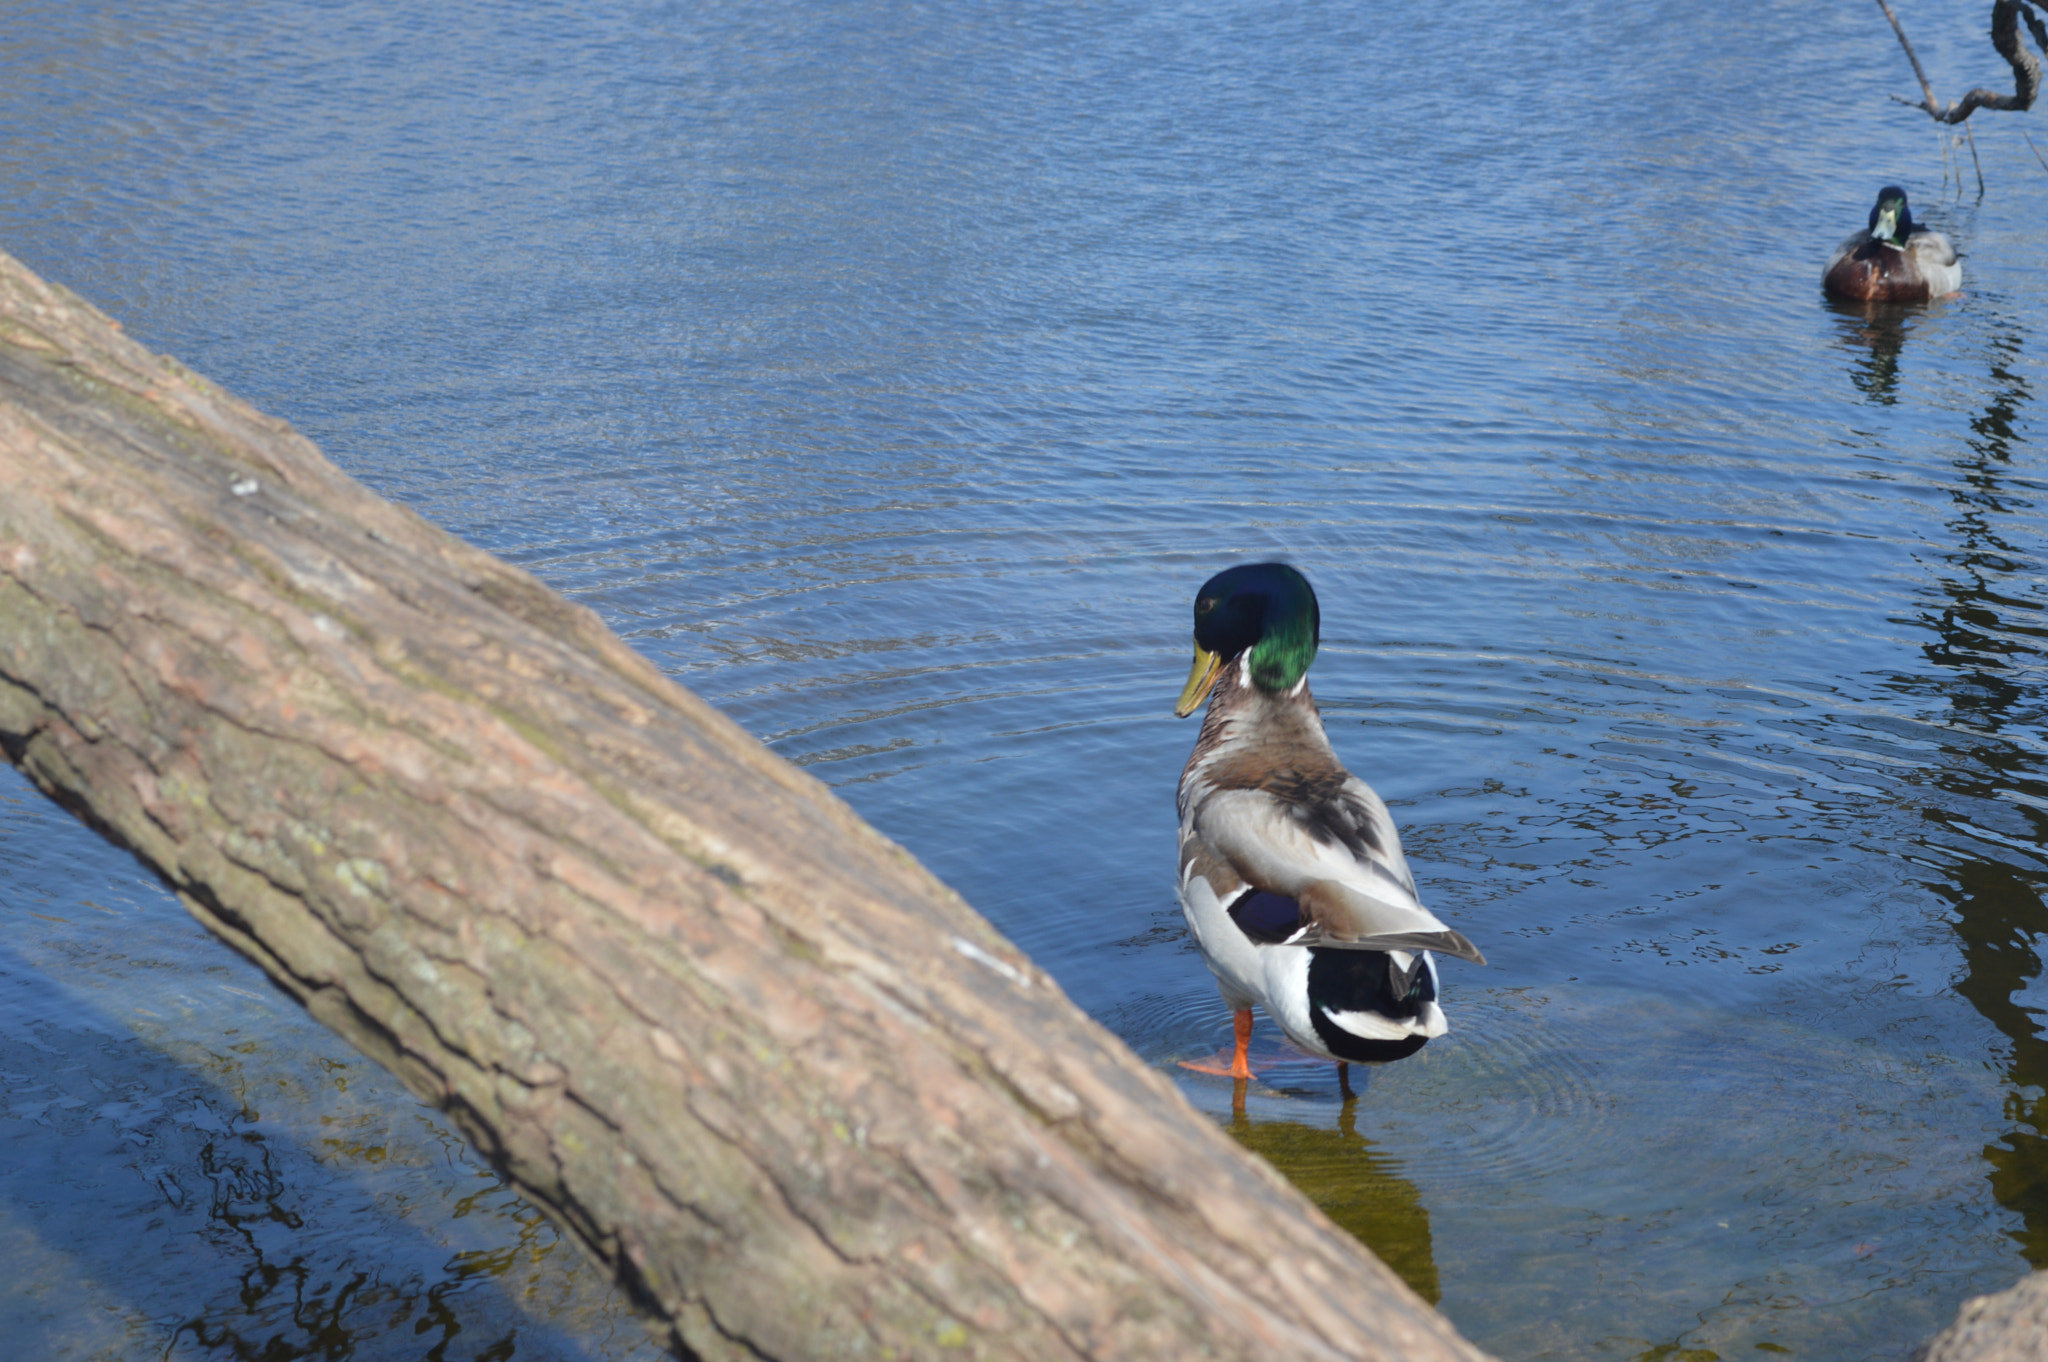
(1364, 900)
(1934, 245)
(1340, 915)
(1847, 248)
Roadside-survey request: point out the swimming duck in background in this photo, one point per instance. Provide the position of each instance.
(1291, 873)
(1896, 261)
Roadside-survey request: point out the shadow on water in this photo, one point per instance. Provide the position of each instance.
(191, 1168)
(1988, 822)
(1880, 329)
(257, 1244)
(1355, 1185)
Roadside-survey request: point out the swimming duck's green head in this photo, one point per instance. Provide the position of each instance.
(1891, 220)
(1266, 609)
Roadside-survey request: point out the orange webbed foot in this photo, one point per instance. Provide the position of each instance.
(1240, 1065)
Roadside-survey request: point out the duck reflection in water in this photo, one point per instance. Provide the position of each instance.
(1879, 329)
(1354, 1184)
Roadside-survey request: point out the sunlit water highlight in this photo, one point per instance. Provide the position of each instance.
(893, 376)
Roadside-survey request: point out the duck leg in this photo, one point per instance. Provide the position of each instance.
(1240, 1060)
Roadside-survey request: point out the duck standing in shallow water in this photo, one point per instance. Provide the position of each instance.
(1896, 261)
(1291, 873)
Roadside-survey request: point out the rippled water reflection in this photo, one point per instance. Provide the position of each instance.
(892, 376)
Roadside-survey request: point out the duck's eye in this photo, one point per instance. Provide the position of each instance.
(1203, 607)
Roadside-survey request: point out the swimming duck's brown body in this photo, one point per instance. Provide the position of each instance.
(1895, 261)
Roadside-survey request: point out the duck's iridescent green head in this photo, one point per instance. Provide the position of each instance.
(1266, 609)
(1891, 220)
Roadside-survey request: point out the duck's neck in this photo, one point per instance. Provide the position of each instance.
(1242, 718)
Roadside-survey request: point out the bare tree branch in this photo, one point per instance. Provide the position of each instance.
(1913, 57)
(2005, 37)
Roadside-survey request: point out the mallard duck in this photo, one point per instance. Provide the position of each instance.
(1291, 873)
(1895, 261)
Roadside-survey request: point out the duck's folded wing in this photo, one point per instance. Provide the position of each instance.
(1848, 248)
(1343, 866)
(1934, 246)
(1340, 915)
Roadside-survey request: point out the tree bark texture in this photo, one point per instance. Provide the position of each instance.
(2008, 1326)
(800, 1097)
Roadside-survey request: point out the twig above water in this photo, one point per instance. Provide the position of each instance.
(2036, 150)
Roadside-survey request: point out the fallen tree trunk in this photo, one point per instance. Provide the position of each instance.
(800, 1098)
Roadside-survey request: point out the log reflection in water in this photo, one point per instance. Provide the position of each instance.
(1990, 787)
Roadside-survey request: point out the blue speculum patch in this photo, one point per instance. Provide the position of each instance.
(1266, 917)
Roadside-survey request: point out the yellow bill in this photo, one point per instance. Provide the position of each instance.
(1201, 679)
